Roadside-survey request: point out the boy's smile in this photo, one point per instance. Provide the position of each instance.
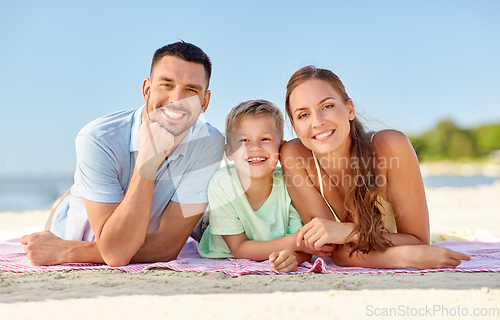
(256, 160)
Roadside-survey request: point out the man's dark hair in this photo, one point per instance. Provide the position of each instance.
(187, 52)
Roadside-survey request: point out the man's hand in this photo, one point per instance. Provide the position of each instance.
(44, 248)
(155, 143)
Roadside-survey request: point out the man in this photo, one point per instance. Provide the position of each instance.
(141, 176)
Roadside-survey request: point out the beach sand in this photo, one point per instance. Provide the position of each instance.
(184, 295)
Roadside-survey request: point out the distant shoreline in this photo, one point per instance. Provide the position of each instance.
(435, 168)
(467, 169)
(30, 192)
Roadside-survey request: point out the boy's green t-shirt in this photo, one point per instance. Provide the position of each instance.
(230, 213)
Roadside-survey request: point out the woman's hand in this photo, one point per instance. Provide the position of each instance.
(432, 257)
(319, 232)
(323, 252)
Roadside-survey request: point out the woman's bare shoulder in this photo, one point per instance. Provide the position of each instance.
(294, 152)
(294, 148)
(391, 142)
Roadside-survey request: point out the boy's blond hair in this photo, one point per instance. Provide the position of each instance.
(255, 108)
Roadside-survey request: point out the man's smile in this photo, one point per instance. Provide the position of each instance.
(173, 114)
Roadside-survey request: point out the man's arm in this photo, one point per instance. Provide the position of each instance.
(128, 241)
(177, 223)
(120, 228)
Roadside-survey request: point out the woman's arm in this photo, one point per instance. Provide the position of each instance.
(405, 192)
(301, 185)
(399, 178)
(406, 256)
(404, 187)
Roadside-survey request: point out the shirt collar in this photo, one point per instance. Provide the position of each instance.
(195, 132)
(134, 132)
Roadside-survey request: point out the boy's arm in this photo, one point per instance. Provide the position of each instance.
(294, 220)
(280, 252)
(242, 248)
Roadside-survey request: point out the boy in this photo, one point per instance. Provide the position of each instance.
(251, 213)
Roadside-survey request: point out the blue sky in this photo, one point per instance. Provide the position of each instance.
(405, 64)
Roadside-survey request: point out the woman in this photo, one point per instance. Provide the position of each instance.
(362, 192)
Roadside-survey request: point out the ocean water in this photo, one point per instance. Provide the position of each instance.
(459, 181)
(19, 193)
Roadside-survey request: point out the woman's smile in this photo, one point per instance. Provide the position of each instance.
(324, 135)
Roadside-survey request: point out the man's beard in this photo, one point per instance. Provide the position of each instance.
(175, 128)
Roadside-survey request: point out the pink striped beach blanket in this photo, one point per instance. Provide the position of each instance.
(485, 258)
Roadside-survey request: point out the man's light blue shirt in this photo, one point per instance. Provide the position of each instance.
(106, 150)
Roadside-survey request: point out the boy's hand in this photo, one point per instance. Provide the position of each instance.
(284, 261)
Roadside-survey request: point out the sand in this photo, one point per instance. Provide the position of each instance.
(184, 295)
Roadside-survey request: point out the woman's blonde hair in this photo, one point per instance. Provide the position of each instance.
(255, 108)
(362, 202)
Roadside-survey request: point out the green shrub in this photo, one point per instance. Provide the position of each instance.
(448, 141)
